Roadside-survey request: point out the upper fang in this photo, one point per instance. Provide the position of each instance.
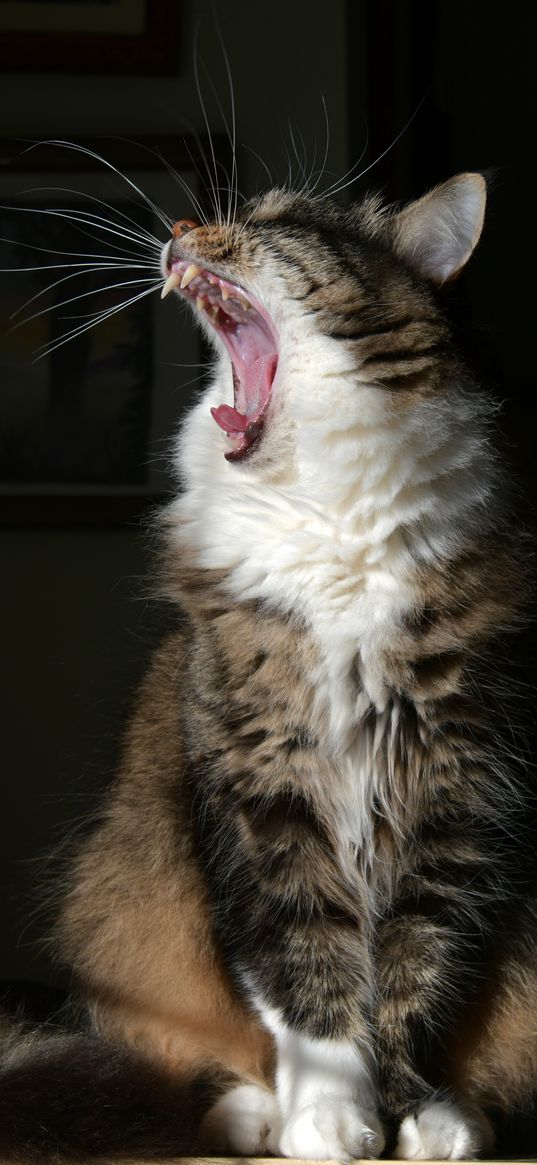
(172, 281)
(190, 274)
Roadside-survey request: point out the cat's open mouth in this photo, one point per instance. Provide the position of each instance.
(248, 334)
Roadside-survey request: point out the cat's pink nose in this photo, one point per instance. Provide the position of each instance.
(184, 225)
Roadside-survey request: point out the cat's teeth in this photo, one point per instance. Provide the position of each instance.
(189, 275)
(172, 281)
(225, 293)
(200, 303)
(244, 303)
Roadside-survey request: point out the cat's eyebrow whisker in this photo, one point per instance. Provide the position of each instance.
(259, 159)
(307, 176)
(87, 269)
(46, 349)
(165, 220)
(296, 153)
(326, 148)
(73, 299)
(339, 185)
(336, 188)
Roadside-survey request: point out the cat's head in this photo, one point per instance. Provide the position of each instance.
(299, 295)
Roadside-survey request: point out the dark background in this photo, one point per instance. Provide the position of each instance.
(77, 627)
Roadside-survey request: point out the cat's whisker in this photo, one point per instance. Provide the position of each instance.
(119, 262)
(86, 270)
(89, 218)
(91, 255)
(74, 298)
(227, 189)
(337, 187)
(196, 204)
(46, 349)
(137, 229)
(233, 181)
(259, 159)
(165, 220)
(185, 186)
(297, 156)
(217, 203)
(84, 219)
(322, 169)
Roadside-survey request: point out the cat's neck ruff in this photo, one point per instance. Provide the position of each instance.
(368, 495)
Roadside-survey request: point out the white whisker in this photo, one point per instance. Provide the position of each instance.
(81, 217)
(326, 148)
(46, 349)
(167, 222)
(138, 231)
(73, 299)
(216, 199)
(337, 187)
(185, 186)
(87, 269)
(54, 251)
(261, 160)
(295, 151)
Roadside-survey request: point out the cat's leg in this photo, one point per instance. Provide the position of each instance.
(326, 1095)
(443, 1130)
(295, 929)
(423, 978)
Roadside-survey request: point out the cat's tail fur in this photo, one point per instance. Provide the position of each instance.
(67, 1097)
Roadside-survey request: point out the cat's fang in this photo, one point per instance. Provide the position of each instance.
(189, 275)
(172, 281)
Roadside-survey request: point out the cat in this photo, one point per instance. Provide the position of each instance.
(305, 925)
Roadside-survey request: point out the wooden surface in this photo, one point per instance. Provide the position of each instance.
(279, 1160)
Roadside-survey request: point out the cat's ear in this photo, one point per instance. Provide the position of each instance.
(438, 233)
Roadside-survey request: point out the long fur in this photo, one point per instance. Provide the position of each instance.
(313, 879)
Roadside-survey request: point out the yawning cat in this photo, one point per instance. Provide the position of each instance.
(312, 885)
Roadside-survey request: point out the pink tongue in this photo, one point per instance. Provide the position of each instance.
(230, 419)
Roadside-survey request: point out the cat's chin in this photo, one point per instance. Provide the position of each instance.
(248, 333)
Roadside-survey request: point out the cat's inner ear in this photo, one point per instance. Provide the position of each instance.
(438, 233)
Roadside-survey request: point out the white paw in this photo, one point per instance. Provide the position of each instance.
(245, 1120)
(332, 1129)
(443, 1132)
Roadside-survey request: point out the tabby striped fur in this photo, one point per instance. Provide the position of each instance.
(315, 871)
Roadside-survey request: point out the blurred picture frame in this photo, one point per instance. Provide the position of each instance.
(86, 431)
(90, 36)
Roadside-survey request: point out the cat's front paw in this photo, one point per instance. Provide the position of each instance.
(443, 1131)
(245, 1120)
(332, 1129)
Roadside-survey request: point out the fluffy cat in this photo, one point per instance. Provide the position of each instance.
(311, 890)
